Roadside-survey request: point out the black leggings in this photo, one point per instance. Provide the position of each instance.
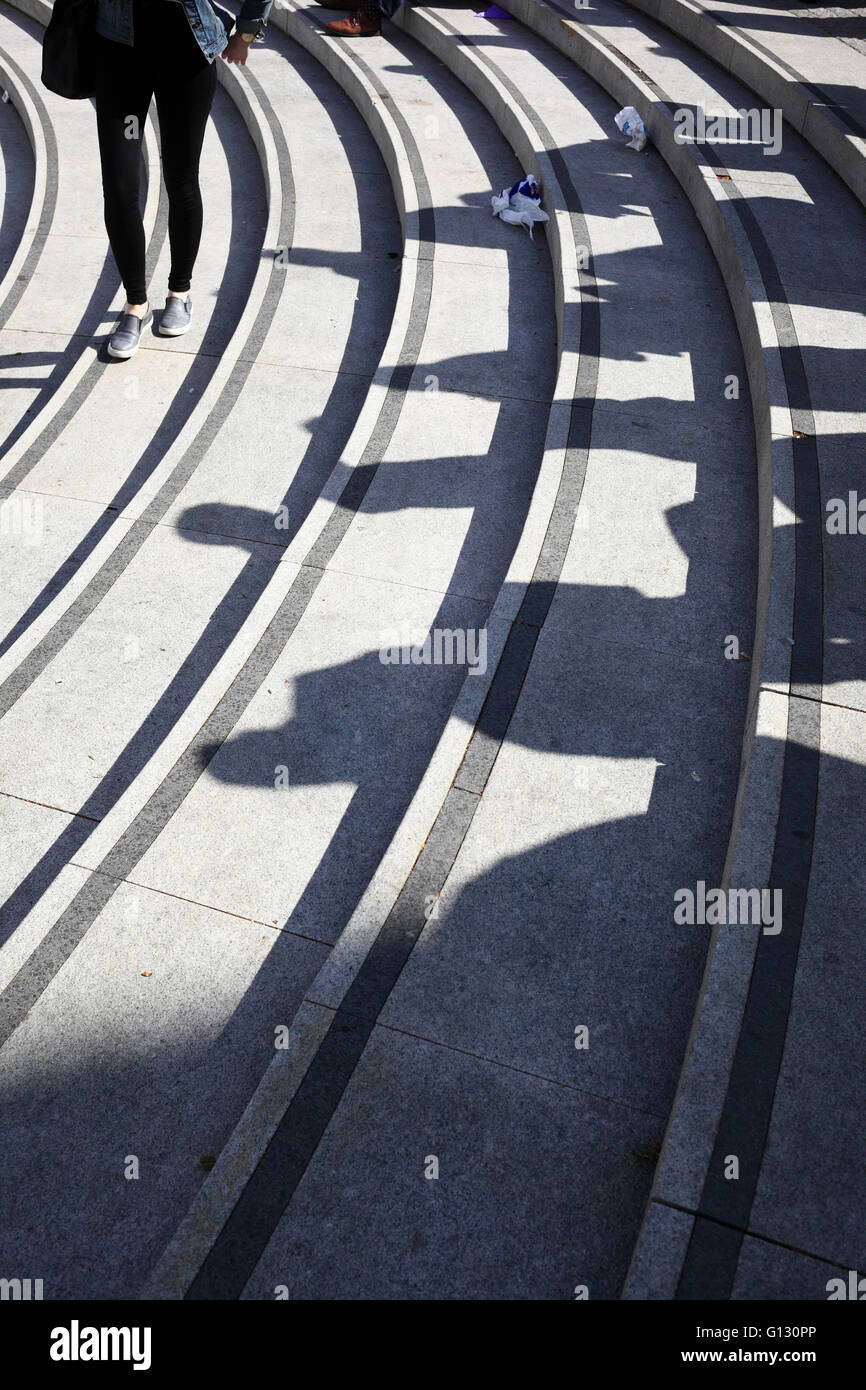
(164, 60)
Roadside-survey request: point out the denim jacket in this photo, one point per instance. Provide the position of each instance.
(210, 24)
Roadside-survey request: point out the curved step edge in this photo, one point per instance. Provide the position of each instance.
(781, 87)
(699, 1100)
(40, 212)
(186, 1252)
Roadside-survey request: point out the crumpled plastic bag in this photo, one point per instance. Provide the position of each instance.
(519, 204)
(631, 124)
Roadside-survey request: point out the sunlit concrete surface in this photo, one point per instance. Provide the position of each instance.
(381, 659)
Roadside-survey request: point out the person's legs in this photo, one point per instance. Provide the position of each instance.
(123, 95)
(184, 85)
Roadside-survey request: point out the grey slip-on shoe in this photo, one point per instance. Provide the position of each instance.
(176, 316)
(124, 340)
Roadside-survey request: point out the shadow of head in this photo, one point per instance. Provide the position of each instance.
(215, 523)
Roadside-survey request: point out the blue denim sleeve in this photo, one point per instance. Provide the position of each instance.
(253, 12)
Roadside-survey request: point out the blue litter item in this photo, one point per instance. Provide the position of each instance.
(493, 12)
(519, 204)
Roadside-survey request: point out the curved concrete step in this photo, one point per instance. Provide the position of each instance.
(801, 62)
(489, 954)
(370, 87)
(801, 328)
(300, 1093)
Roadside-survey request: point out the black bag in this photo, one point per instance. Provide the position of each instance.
(69, 49)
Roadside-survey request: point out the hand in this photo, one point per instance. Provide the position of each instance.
(236, 50)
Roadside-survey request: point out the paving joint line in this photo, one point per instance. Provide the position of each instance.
(62, 810)
(197, 902)
(510, 1067)
(754, 1234)
(814, 699)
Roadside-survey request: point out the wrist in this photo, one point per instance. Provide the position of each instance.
(249, 29)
